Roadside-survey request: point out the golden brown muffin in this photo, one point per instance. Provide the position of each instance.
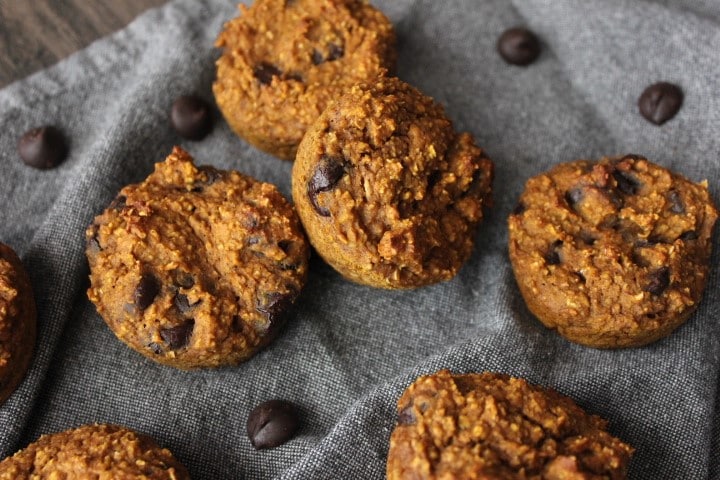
(97, 452)
(283, 62)
(17, 322)
(612, 253)
(491, 426)
(196, 267)
(388, 192)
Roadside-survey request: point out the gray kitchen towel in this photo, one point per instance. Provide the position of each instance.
(350, 350)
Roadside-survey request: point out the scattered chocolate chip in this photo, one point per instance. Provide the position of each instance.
(317, 57)
(327, 174)
(552, 256)
(274, 305)
(676, 203)
(178, 337)
(519, 209)
(689, 235)
(660, 102)
(518, 46)
(156, 348)
(334, 52)
(118, 202)
(272, 423)
(191, 117)
(184, 279)
(574, 195)
(42, 147)
(182, 303)
(658, 281)
(625, 182)
(406, 416)
(265, 72)
(146, 291)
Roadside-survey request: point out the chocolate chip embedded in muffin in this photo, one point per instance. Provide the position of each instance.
(284, 62)
(388, 192)
(196, 267)
(17, 322)
(94, 451)
(494, 427)
(612, 253)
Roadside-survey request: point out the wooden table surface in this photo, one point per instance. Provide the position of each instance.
(35, 34)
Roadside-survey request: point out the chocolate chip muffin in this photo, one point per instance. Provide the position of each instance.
(613, 253)
(100, 452)
(196, 267)
(491, 426)
(283, 61)
(17, 322)
(388, 192)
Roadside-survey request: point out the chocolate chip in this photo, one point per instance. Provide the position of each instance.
(274, 305)
(183, 279)
(285, 245)
(574, 195)
(178, 337)
(518, 46)
(658, 281)
(42, 147)
(689, 235)
(265, 72)
(676, 203)
(156, 348)
(92, 244)
(118, 202)
(327, 174)
(191, 117)
(406, 416)
(625, 182)
(182, 303)
(519, 209)
(272, 423)
(317, 57)
(580, 277)
(334, 52)
(660, 102)
(146, 291)
(552, 256)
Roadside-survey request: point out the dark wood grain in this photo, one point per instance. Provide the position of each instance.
(35, 34)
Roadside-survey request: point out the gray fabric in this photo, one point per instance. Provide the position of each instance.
(350, 350)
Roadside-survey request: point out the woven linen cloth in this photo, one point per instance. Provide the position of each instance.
(349, 351)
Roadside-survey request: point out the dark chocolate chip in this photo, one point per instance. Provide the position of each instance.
(42, 147)
(182, 303)
(146, 291)
(518, 46)
(327, 174)
(265, 72)
(676, 203)
(272, 423)
(317, 57)
(335, 52)
(552, 256)
(660, 102)
(433, 179)
(274, 305)
(178, 337)
(658, 281)
(574, 195)
(406, 416)
(212, 175)
(118, 202)
(625, 182)
(285, 245)
(689, 235)
(156, 348)
(191, 117)
(519, 209)
(184, 279)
